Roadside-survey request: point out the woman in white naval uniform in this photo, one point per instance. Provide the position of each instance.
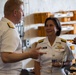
(58, 54)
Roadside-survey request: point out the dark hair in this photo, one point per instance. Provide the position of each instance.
(57, 24)
(11, 5)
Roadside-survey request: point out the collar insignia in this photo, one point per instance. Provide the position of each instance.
(10, 25)
(63, 40)
(40, 41)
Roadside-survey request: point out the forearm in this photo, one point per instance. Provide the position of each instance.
(9, 57)
(14, 57)
(37, 68)
(61, 64)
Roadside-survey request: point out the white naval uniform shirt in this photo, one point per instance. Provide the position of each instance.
(58, 51)
(9, 42)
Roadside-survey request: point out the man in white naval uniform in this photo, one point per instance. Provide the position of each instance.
(58, 54)
(10, 43)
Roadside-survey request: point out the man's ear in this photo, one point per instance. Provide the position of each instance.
(15, 12)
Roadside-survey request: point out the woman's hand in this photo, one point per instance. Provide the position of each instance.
(57, 64)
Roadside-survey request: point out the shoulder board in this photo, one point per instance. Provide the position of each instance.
(40, 41)
(63, 40)
(10, 25)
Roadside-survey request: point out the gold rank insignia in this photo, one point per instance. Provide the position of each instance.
(63, 40)
(10, 25)
(59, 47)
(40, 41)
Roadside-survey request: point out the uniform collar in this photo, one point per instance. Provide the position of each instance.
(8, 21)
(56, 40)
(47, 41)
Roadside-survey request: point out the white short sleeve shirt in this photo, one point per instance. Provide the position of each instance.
(58, 51)
(9, 42)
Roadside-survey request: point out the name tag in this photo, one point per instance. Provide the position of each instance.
(44, 47)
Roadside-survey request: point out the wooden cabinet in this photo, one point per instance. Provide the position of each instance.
(41, 31)
(64, 19)
(66, 29)
(40, 17)
(67, 18)
(74, 16)
(74, 31)
(64, 16)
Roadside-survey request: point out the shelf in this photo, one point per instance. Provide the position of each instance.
(68, 36)
(69, 22)
(60, 15)
(66, 29)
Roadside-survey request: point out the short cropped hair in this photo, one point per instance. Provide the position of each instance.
(11, 5)
(57, 24)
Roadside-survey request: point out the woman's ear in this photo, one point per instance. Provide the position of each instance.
(56, 29)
